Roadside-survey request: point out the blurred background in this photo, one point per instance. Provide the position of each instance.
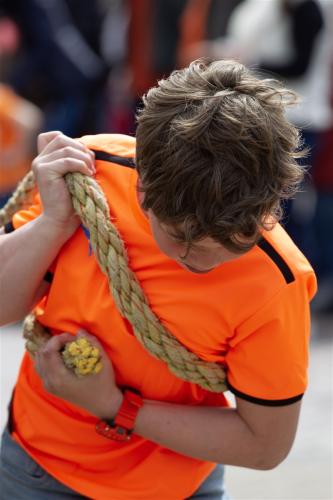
(81, 66)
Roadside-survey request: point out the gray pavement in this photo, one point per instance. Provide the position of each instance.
(307, 472)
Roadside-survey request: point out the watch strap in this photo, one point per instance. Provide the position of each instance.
(122, 425)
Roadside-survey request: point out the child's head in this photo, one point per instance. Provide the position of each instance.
(215, 153)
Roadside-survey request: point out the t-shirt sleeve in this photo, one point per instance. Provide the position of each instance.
(268, 358)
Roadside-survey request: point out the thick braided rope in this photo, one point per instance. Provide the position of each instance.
(91, 206)
(21, 197)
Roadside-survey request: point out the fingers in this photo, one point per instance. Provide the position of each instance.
(61, 141)
(61, 381)
(53, 141)
(49, 355)
(44, 139)
(57, 342)
(69, 152)
(61, 154)
(48, 360)
(64, 165)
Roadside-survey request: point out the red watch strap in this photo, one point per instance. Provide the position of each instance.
(128, 410)
(121, 427)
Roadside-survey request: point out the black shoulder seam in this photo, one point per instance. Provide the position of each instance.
(277, 259)
(120, 160)
(264, 402)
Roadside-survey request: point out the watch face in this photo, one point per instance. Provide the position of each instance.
(120, 434)
(120, 427)
(116, 433)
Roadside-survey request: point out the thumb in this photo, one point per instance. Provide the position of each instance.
(48, 357)
(45, 138)
(56, 343)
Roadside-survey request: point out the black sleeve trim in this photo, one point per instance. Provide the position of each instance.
(277, 259)
(48, 277)
(9, 228)
(264, 402)
(120, 160)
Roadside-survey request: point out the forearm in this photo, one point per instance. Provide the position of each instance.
(212, 434)
(25, 256)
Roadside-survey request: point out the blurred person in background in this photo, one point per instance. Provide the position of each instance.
(290, 39)
(60, 66)
(118, 102)
(159, 35)
(323, 217)
(154, 37)
(20, 120)
(202, 28)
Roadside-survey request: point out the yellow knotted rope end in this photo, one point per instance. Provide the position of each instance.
(82, 357)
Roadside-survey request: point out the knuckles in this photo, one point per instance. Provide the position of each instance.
(68, 150)
(65, 151)
(60, 141)
(36, 164)
(46, 353)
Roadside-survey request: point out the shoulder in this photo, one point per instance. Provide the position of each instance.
(275, 270)
(114, 160)
(117, 144)
(285, 262)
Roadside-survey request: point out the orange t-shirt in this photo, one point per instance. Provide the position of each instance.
(251, 314)
(10, 136)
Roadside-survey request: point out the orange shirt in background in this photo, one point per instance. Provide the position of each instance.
(20, 121)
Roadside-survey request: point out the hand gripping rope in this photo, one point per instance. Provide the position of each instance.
(91, 206)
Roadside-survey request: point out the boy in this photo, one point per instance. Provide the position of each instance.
(215, 157)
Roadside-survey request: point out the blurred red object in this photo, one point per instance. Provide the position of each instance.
(20, 122)
(323, 171)
(193, 25)
(140, 46)
(9, 36)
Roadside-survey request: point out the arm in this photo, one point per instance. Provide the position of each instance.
(250, 435)
(26, 254)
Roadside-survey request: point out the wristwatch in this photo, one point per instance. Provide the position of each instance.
(120, 427)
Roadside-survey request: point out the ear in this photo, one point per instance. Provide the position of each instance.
(45, 138)
(268, 222)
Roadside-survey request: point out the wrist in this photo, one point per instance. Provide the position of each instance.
(122, 425)
(114, 406)
(59, 230)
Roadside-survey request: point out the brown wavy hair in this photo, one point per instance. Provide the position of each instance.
(215, 153)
